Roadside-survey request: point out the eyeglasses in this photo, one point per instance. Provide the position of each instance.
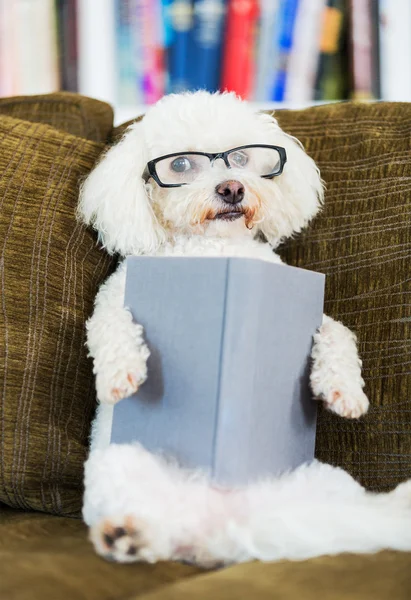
(177, 169)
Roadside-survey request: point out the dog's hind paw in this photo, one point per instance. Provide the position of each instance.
(122, 540)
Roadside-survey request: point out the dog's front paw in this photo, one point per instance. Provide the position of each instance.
(347, 403)
(114, 383)
(124, 540)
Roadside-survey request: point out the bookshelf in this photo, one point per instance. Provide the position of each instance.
(276, 53)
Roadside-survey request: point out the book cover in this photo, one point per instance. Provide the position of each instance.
(179, 19)
(36, 68)
(333, 68)
(267, 49)
(239, 46)
(227, 387)
(67, 36)
(305, 51)
(206, 44)
(286, 16)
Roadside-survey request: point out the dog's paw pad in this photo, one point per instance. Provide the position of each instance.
(124, 542)
(351, 405)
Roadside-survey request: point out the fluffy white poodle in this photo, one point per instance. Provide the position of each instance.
(203, 174)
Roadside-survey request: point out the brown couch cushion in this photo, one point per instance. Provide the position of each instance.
(68, 112)
(47, 558)
(362, 242)
(50, 269)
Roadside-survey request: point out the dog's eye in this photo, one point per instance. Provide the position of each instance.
(238, 159)
(181, 164)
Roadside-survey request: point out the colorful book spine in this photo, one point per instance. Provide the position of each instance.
(152, 51)
(67, 31)
(167, 35)
(305, 52)
(361, 51)
(287, 16)
(267, 49)
(179, 19)
(206, 49)
(238, 63)
(331, 83)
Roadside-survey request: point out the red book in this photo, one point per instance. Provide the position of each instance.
(238, 62)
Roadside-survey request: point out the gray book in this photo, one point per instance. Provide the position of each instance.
(227, 387)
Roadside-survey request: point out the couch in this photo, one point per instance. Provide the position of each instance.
(50, 269)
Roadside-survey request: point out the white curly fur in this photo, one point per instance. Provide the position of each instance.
(153, 507)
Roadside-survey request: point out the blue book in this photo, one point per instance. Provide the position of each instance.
(206, 44)
(178, 18)
(128, 85)
(287, 17)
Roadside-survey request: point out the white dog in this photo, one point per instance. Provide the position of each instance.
(202, 174)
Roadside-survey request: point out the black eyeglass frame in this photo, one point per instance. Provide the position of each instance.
(151, 172)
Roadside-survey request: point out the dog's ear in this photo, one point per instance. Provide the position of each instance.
(299, 190)
(114, 199)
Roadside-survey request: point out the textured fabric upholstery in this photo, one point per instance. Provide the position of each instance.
(50, 269)
(362, 242)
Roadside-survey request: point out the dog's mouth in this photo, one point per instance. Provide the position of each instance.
(229, 215)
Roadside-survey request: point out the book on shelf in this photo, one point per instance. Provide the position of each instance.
(332, 73)
(395, 49)
(35, 64)
(97, 66)
(206, 44)
(286, 17)
(238, 60)
(67, 47)
(179, 22)
(362, 53)
(305, 51)
(266, 49)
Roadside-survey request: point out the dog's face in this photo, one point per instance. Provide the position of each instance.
(135, 215)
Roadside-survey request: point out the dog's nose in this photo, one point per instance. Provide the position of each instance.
(230, 191)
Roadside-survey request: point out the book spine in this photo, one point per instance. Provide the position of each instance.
(36, 65)
(206, 49)
(67, 34)
(238, 62)
(152, 52)
(266, 53)
(332, 71)
(305, 51)
(97, 49)
(395, 50)
(179, 19)
(375, 44)
(287, 17)
(167, 36)
(127, 82)
(360, 35)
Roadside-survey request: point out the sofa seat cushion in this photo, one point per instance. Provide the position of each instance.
(43, 557)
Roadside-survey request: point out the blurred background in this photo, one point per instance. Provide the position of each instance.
(273, 52)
